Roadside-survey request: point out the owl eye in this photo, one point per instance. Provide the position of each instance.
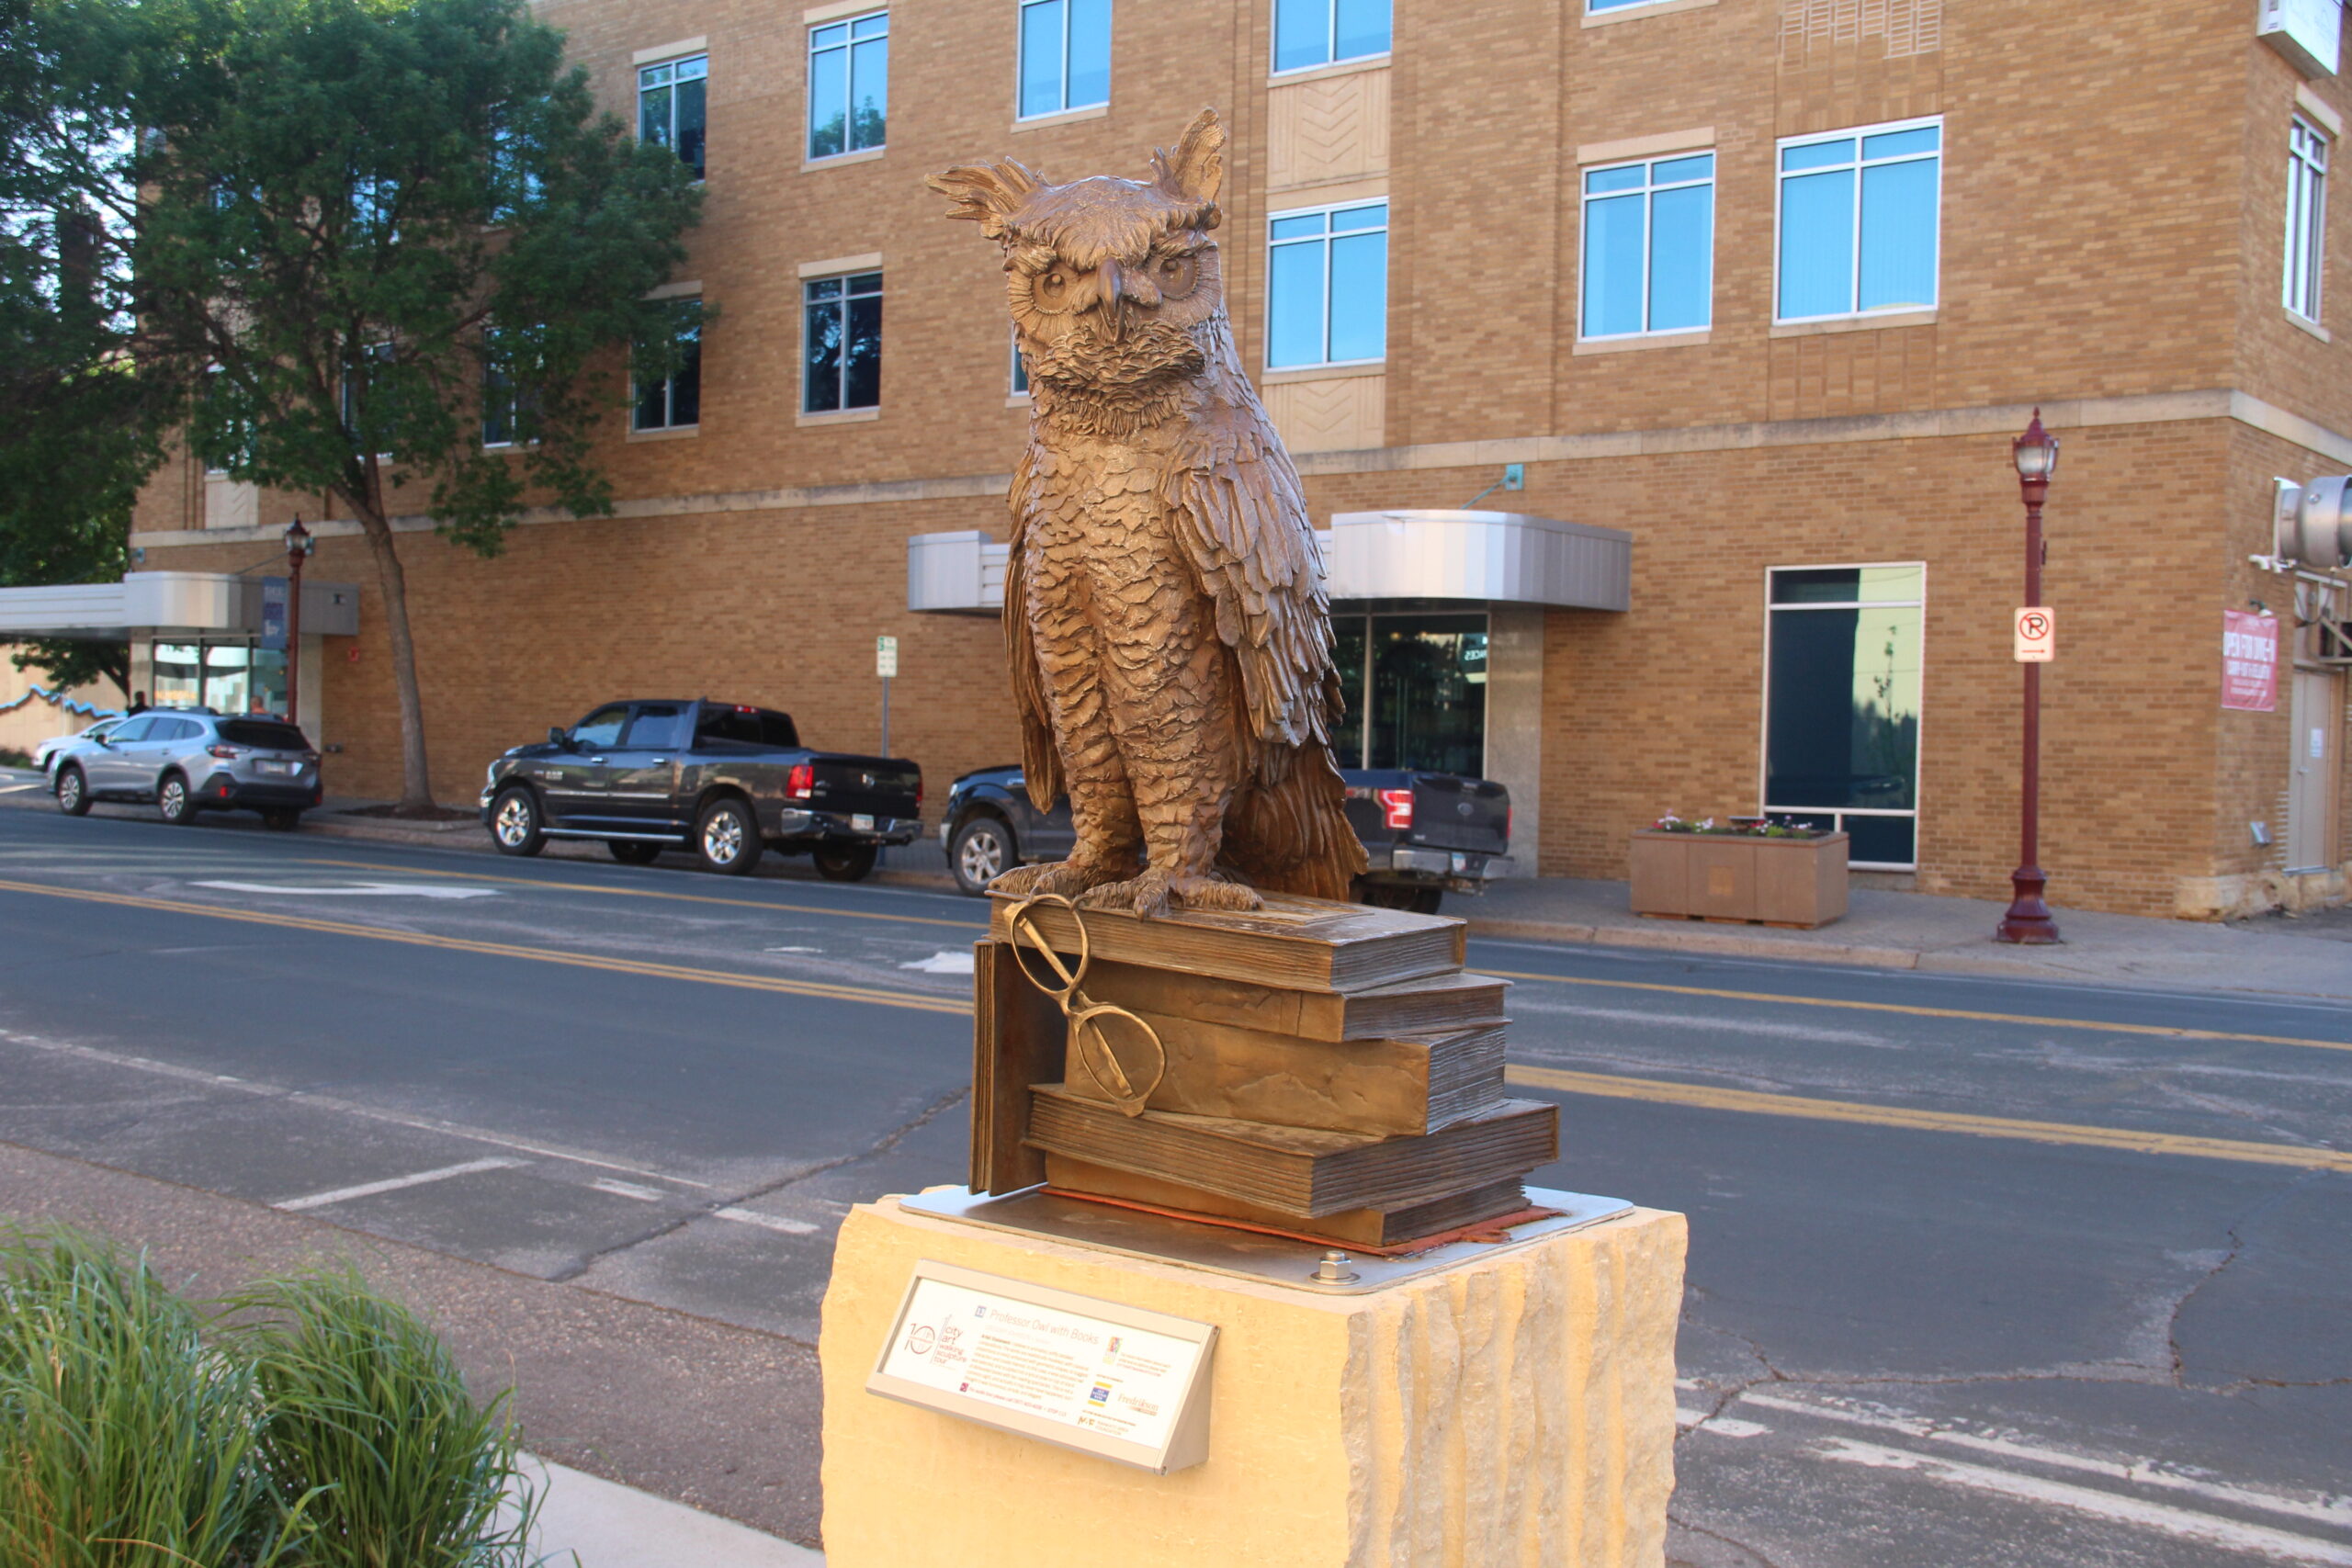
(1051, 289)
(1176, 274)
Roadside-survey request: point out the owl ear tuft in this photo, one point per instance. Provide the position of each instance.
(989, 193)
(1195, 170)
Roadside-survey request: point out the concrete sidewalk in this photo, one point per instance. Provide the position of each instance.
(2307, 956)
(586, 1521)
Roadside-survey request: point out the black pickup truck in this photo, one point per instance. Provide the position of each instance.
(1422, 832)
(721, 779)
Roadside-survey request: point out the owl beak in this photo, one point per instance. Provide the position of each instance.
(1112, 293)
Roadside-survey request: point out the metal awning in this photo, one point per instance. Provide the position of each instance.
(1483, 558)
(165, 604)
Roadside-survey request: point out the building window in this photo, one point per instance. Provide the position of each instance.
(841, 349)
(670, 103)
(236, 675)
(2306, 218)
(1322, 32)
(849, 84)
(1326, 286)
(1859, 219)
(1422, 682)
(1020, 367)
(507, 403)
(1649, 239)
(1065, 55)
(673, 401)
(1841, 702)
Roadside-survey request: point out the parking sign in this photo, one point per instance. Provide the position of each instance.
(885, 657)
(2035, 634)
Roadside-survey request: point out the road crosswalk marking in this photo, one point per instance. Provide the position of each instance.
(392, 1184)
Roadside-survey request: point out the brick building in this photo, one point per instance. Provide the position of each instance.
(1765, 286)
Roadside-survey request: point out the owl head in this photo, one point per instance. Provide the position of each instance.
(1114, 283)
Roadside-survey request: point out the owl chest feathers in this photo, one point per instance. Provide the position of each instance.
(1099, 538)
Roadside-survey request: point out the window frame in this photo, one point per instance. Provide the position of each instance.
(674, 64)
(1327, 210)
(1020, 60)
(1764, 706)
(1857, 134)
(2305, 261)
(840, 302)
(1649, 191)
(682, 329)
(846, 48)
(1276, 71)
(1017, 375)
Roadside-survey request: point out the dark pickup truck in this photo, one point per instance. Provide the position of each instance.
(720, 779)
(1422, 832)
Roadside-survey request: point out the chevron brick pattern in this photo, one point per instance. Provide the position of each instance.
(1341, 415)
(1332, 129)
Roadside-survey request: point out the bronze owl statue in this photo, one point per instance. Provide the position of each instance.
(1163, 598)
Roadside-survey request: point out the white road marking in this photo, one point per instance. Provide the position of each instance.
(766, 1222)
(20, 789)
(393, 1184)
(795, 950)
(2324, 1510)
(2231, 1535)
(946, 961)
(363, 890)
(345, 1107)
(625, 1190)
(1721, 1426)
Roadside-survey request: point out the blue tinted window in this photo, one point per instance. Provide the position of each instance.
(670, 107)
(1649, 257)
(1327, 298)
(1860, 223)
(841, 346)
(1065, 55)
(849, 85)
(1320, 32)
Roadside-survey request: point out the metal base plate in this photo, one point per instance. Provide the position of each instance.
(1244, 1255)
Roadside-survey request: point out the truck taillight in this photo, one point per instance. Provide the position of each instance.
(918, 791)
(1510, 815)
(801, 782)
(1396, 807)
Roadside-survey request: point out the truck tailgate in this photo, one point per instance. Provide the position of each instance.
(872, 787)
(1450, 813)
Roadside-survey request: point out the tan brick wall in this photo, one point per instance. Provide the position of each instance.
(2112, 228)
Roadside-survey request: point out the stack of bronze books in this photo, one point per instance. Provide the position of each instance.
(1327, 1071)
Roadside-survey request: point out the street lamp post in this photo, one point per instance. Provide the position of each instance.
(299, 544)
(2028, 921)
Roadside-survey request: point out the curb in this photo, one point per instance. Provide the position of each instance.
(1721, 943)
(595, 1523)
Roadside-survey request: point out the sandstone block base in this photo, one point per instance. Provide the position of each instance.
(1516, 1411)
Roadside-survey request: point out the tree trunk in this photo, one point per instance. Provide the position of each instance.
(416, 779)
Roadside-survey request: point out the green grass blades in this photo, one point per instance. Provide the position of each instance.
(124, 1443)
(366, 1408)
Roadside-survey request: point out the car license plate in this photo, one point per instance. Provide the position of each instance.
(269, 767)
(861, 824)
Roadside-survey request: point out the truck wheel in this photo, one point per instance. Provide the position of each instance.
(727, 838)
(983, 851)
(515, 825)
(633, 851)
(173, 801)
(72, 792)
(1399, 896)
(842, 863)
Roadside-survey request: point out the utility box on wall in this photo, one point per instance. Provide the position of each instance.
(2307, 32)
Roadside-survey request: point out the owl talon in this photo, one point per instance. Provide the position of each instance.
(1157, 892)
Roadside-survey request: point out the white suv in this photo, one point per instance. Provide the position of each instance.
(188, 761)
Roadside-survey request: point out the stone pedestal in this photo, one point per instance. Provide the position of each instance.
(1516, 1409)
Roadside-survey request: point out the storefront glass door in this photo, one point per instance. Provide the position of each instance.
(1842, 687)
(1416, 686)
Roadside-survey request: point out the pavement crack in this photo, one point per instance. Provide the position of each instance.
(676, 1222)
(2235, 1231)
(1748, 1557)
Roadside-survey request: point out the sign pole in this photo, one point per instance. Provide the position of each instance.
(886, 665)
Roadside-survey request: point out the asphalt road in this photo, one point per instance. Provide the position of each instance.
(1981, 1272)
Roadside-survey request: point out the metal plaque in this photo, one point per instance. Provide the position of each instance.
(1102, 1378)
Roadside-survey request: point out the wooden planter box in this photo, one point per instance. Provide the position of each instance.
(1722, 876)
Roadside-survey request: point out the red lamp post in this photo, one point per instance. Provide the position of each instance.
(299, 544)
(2028, 921)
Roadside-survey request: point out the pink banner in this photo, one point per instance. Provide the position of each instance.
(2249, 661)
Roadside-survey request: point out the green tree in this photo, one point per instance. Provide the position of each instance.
(81, 427)
(366, 227)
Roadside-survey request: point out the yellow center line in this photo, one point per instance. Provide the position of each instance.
(2167, 1031)
(650, 893)
(1749, 1101)
(917, 1001)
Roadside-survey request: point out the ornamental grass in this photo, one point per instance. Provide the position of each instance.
(312, 1424)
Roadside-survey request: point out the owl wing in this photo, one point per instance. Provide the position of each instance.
(1240, 516)
(1041, 764)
